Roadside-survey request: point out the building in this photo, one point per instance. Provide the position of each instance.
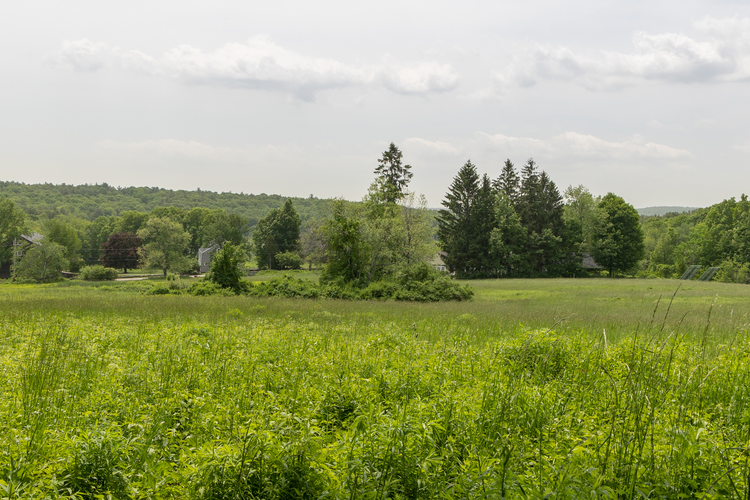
(205, 256)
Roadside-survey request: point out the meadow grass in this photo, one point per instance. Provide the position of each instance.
(586, 388)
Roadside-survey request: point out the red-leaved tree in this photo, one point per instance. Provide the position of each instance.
(121, 251)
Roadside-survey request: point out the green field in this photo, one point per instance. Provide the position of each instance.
(535, 389)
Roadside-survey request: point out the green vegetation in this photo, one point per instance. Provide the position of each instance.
(536, 389)
(98, 273)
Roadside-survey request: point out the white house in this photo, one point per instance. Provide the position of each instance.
(205, 255)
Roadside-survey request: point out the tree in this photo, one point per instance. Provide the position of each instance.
(165, 243)
(393, 176)
(345, 249)
(277, 232)
(12, 225)
(618, 238)
(121, 250)
(313, 244)
(43, 262)
(62, 232)
(508, 182)
(508, 240)
(456, 222)
(225, 267)
(580, 214)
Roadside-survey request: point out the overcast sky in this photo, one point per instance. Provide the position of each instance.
(646, 99)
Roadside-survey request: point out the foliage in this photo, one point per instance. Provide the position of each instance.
(165, 244)
(276, 233)
(618, 238)
(42, 262)
(313, 244)
(226, 268)
(122, 250)
(98, 273)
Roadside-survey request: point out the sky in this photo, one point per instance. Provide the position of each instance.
(646, 99)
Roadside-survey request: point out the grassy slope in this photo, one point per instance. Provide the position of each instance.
(177, 396)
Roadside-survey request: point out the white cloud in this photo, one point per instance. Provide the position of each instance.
(262, 64)
(723, 55)
(83, 55)
(569, 147)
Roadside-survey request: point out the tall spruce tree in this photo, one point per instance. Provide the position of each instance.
(393, 176)
(540, 209)
(508, 182)
(457, 221)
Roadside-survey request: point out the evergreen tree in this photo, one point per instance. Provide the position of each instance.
(508, 182)
(393, 176)
(508, 240)
(456, 222)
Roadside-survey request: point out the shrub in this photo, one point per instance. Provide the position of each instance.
(98, 273)
(225, 268)
(733, 272)
(203, 288)
(44, 261)
(288, 260)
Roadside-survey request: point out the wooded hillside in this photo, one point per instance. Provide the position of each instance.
(95, 200)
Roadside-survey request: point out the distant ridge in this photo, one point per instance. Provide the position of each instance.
(651, 211)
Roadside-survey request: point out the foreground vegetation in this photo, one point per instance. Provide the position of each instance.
(554, 388)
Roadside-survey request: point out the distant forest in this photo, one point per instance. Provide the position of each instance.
(89, 201)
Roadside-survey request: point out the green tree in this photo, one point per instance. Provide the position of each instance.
(277, 232)
(457, 221)
(313, 243)
(618, 238)
(226, 267)
(61, 231)
(42, 262)
(508, 182)
(581, 215)
(393, 176)
(508, 240)
(12, 225)
(165, 244)
(122, 250)
(347, 259)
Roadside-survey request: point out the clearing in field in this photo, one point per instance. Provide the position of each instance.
(535, 389)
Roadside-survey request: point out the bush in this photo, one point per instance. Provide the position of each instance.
(203, 288)
(287, 286)
(44, 261)
(98, 273)
(733, 272)
(288, 260)
(225, 268)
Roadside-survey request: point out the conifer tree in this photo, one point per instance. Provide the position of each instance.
(456, 222)
(393, 176)
(508, 182)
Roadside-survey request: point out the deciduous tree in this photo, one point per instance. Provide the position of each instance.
(165, 244)
(122, 251)
(618, 238)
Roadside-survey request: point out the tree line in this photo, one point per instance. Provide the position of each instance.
(517, 224)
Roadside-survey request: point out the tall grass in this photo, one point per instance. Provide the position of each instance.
(530, 391)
